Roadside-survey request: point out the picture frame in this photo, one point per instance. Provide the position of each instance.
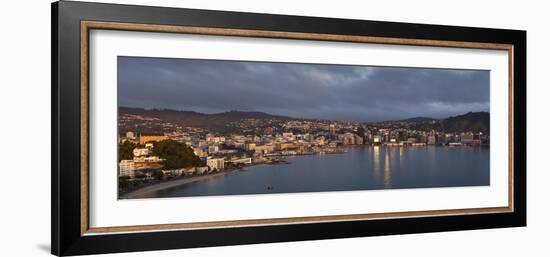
(71, 230)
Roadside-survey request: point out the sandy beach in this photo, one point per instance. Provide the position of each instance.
(141, 192)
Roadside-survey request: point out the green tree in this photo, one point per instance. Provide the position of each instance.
(177, 155)
(125, 150)
(158, 174)
(123, 182)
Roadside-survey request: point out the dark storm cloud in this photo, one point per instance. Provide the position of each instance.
(360, 93)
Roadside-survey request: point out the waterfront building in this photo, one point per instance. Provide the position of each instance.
(422, 138)
(284, 146)
(431, 140)
(477, 139)
(445, 139)
(246, 160)
(320, 140)
(348, 139)
(189, 171)
(402, 135)
(127, 168)
(201, 170)
(392, 144)
(358, 140)
(467, 138)
(418, 144)
(215, 164)
(377, 140)
(148, 162)
(173, 173)
(264, 149)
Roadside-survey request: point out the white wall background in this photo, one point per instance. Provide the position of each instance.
(25, 126)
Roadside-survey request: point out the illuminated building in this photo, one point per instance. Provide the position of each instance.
(152, 138)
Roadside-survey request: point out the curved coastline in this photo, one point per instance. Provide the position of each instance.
(140, 192)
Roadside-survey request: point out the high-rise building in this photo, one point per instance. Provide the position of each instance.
(377, 140)
(348, 139)
(431, 140)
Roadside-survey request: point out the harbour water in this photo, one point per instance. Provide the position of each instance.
(361, 168)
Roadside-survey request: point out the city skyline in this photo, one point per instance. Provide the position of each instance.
(308, 91)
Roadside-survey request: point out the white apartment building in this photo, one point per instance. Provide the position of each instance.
(140, 152)
(127, 168)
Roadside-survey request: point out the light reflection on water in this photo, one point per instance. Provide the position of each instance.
(376, 160)
(359, 169)
(387, 175)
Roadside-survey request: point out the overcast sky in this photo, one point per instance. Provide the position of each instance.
(337, 92)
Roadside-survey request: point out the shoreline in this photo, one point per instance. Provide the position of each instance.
(136, 194)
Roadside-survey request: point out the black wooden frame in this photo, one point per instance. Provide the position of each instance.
(66, 232)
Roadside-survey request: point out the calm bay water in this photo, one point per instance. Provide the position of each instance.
(362, 168)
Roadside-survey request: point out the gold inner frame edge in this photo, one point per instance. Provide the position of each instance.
(86, 26)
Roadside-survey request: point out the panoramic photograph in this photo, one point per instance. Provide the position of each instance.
(197, 127)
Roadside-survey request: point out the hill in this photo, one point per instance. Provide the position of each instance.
(215, 121)
(472, 121)
(413, 120)
(235, 121)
